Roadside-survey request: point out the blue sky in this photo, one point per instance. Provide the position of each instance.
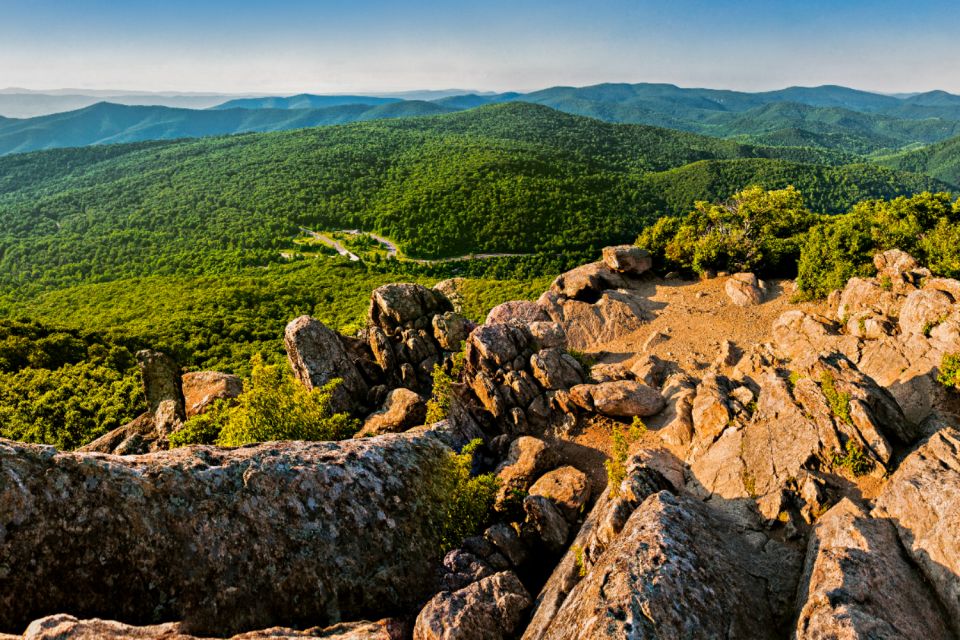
(353, 46)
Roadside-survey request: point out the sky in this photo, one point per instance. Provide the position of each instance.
(287, 47)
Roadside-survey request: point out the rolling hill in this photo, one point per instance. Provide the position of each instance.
(107, 123)
(941, 161)
(303, 101)
(505, 178)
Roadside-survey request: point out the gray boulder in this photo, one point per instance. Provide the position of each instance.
(224, 540)
(317, 356)
(402, 410)
(490, 609)
(628, 259)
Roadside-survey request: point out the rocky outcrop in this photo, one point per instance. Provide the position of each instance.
(166, 410)
(627, 259)
(923, 499)
(202, 388)
(619, 398)
(614, 314)
(678, 569)
(490, 609)
(858, 583)
(64, 627)
(224, 540)
(402, 410)
(520, 311)
(527, 459)
(743, 289)
(317, 356)
(566, 487)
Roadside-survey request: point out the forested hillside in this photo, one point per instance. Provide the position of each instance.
(512, 178)
(941, 160)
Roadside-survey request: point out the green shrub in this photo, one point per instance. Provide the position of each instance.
(202, 429)
(273, 406)
(464, 501)
(839, 402)
(438, 406)
(754, 229)
(623, 439)
(949, 375)
(853, 459)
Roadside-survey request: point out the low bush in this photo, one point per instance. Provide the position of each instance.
(949, 375)
(464, 501)
(623, 438)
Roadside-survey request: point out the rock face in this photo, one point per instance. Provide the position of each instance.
(224, 540)
(63, 627)
(744, 290)
(202, 388)
(676, 570)
(923, 499)
(522, 311)
(491, 609)
(402, 410)
(858, 583)
(627, 259)
(622, 398)
(317, 356)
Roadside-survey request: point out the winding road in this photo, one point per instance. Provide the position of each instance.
(393, 251)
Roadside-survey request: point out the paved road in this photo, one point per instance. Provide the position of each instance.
(392, 250)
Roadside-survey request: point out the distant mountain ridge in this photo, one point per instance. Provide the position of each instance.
(108, 123)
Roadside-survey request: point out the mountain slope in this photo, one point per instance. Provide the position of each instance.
(107, 123)
(302, 101)
(505, 178)
(941, 161)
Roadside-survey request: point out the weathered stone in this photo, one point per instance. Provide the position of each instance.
(486, 391)
(402, 410)
(401, 304)
(614, 315)
(452, 290)
(710, 411)
(568, 489)
(202, 388)
(450, 330)
(519, 311)
(222, 539)
(655, 339)
(65, 627)
(555, 369)
(895, 264)
(923, 310)
(625, 399)
(678, 569)
(743, 289)
(496, 345)
(609, 372)
(317, 356)
(678, 393)
(462, 568)
(586, 282)
(627, 258)
(858, 583)
(507, 542)
(527, 459)
(546, 523)
(798, 336)
(162, 387)
(923, 500)
(383, 352)
(491, 609)
(547, 335)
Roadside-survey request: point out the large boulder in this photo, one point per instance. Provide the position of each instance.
(567, 487)
(924, 309)
(490, 609)
(613, 315)
(678, 569)
(520, 311)
(556, 369)
(527, 458)
(859, 583)
(65, 627)
(202, 388)
(450, 329)
(743, 289)
(628, 259)
(402, 410)
(317, 356)
(586, 282)
(224, 540)
(405, 305)
(923, 499)
(622, 398)
(162, 387)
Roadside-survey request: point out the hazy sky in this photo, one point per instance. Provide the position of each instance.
(351, 46)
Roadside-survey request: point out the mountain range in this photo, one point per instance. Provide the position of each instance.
(827, 117)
